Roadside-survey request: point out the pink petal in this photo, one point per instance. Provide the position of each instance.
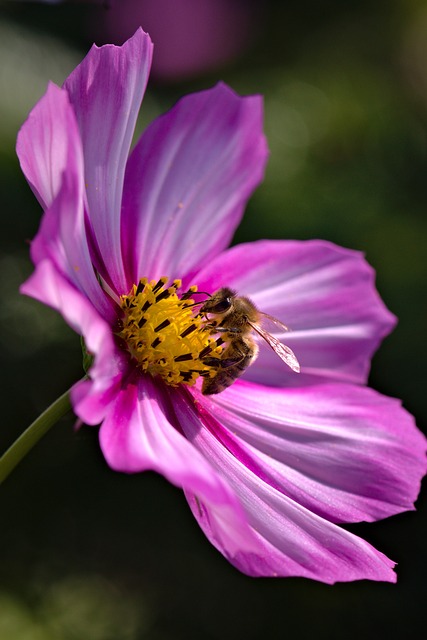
(324, 293)
(43, 144)
(140, 432)
(92, 398)
(188, 180)
(47, 285)
(342, 451)
(106, 90)
(62, 234)
(291, 540)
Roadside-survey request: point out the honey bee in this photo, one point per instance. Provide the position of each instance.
(235, 318)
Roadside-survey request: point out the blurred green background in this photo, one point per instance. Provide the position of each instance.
(90, 554)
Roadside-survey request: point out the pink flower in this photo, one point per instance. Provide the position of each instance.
(272, 465)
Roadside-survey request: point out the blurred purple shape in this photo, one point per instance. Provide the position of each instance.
(190, 36)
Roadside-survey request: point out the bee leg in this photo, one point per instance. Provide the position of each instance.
(232, 356)
(215, 329)
(222, 363)
(211, 362)
(234, 330)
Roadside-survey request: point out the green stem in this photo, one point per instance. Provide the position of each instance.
(32, 435)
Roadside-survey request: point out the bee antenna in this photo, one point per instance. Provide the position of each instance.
(192, 293)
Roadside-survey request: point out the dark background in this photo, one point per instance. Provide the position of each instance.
(90, 554)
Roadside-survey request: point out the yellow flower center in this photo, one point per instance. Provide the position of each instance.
(164, 333)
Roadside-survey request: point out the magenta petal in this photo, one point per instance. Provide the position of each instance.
(188, 180)
(92, 398)
(290, 539)
(51, 156)
(345, 452)
(140, 433)
(50, 287)
(43, 144)
(106, 90)
(62, 235)
(324, 293)
(47, 285)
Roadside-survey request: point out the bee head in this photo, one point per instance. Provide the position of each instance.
(220, 302)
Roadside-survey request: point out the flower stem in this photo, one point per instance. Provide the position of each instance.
(26, 441)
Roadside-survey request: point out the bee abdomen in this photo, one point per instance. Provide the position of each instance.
(234, 361)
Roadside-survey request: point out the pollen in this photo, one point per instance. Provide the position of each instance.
(164, 333)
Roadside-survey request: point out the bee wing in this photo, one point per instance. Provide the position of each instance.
(272, 322)
(285, 353)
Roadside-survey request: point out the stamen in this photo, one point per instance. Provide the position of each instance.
(162, 296)
(184, 357)
(141, 286)
(188, 330)
(163, 334)
(204, 352)
(162, 325)
(160, 283)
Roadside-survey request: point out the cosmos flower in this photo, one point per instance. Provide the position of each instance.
(273, 464)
